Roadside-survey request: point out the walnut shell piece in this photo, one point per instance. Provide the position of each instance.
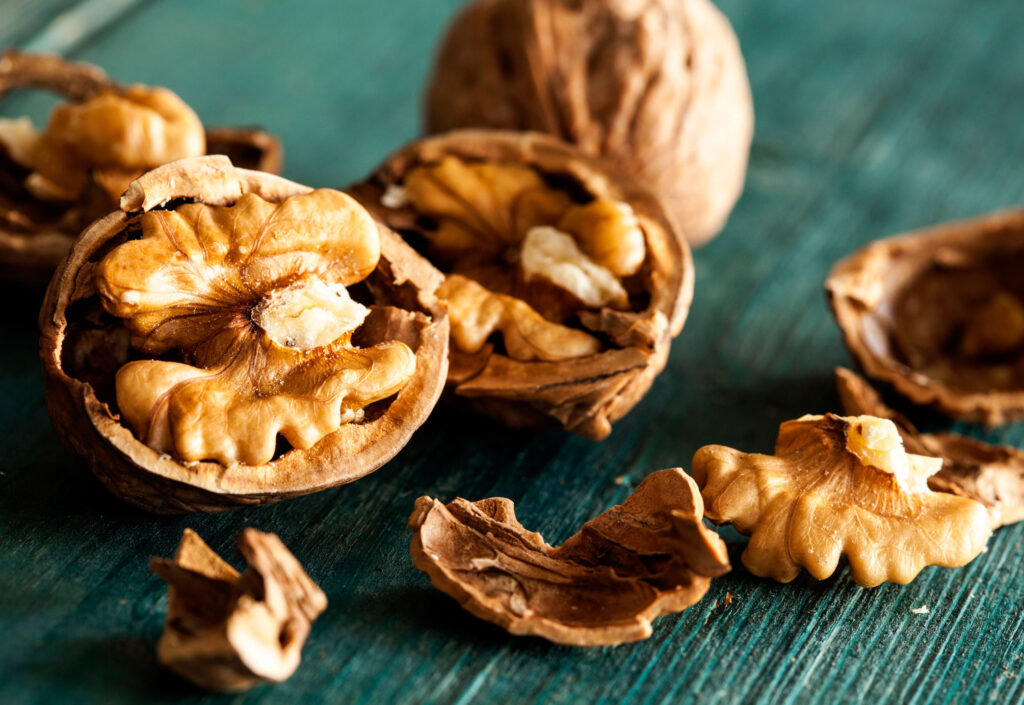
(939, 315)
(208, 354)
(648, 557)
(55, 181)
(658, 87)
(839, 486)
(565, 283)
(990, 474)
(229, 632)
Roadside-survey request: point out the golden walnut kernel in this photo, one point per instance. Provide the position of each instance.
(260, 341)
(839, 486)
(658, 87)
(229, 632)
(58, 179)
(564, 284)
(648, 557)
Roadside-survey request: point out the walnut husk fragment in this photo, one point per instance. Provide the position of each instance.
(229, 632)
(990, 474)
(939, 315)
(640, 560)
(183, 350)
(564, 283)
(659, 87)
(50, 190)
(839, 486)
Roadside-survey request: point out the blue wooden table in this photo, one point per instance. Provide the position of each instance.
(872, 117)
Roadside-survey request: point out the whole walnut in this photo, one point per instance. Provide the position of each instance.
(658, 86)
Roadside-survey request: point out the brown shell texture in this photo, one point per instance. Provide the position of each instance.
(35, 235)
(230, 632)
(657, 86)
(583, 395)
(80, 349)
(645, 558)
(986, 473)
(939, 315)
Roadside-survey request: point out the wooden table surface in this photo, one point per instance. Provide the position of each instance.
(873, 117)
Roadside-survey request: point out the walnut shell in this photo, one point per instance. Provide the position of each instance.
(82, 346)
(657, 86)
(35, 235)
(939, 314)
(583, 394)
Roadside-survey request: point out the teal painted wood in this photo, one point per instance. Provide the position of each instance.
(873, 117)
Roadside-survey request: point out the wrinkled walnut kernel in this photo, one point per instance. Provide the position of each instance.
(839, 486)
(229, 632)
(648, 557)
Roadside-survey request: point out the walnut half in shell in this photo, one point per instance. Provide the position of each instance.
(55, 181)
(939, 314)
(229, 337)
(564, 284)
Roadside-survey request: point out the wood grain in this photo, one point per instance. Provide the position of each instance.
(872, 118)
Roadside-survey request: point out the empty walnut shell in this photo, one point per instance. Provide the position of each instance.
(597, 366)
(83, 346)
(657, 86)
(35, 233)
(939, 314)
(648, 557)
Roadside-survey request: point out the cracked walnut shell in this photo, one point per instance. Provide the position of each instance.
(564, 284)
(658, 87)
(939, 315)
(55, 181)
(648, 557)
(228, 337)
(839, 486)
(229, 632)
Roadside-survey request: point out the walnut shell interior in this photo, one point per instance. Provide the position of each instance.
(85, 348)
(939, 314)
(604, 357)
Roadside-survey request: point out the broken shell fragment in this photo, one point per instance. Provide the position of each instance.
(839, 486)
(648, 557)
(939, 315)
(229, 632)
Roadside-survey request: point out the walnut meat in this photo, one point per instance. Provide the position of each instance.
(55, 181)
(645, 558)
(990, 474)
(279, 341)
(939, 315)
(564, 284)
(229, 632)
(657, 86)
(839, 486)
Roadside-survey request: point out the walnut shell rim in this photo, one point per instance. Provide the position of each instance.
(871, 277)
(583, 395)
(158, 483)
(30, 257)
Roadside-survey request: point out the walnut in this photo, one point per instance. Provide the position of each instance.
(657, 86)
(990, 474)
(229, 632)
(55, 181)
(939, 314)
(839, 486)
(564, 284)
(640, 560)
(281, 341)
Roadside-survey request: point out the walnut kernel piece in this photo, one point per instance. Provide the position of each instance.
(658, 87)
(839, 486)
(229, 632)
(648, 557)
(254, 372)
(990, 474)
(569, 280)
